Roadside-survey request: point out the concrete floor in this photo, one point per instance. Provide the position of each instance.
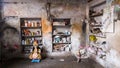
(54, 62)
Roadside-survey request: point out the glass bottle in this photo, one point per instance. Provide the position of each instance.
(26, 23)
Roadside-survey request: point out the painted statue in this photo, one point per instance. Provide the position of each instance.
(35, 55)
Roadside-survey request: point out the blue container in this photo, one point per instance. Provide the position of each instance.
(35, 60)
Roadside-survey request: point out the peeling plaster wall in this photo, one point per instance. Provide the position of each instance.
(76, 37)
(36, 8)
(112, 47)
(12, 12)
(113, 58)
(47, 37)
(24, 10)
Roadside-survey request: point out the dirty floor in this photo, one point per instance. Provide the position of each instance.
(53, 62)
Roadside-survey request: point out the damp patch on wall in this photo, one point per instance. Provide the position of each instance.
(46, 27)
(76, 28)
(76, 36)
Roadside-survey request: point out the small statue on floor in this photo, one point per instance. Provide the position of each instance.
(35, 55)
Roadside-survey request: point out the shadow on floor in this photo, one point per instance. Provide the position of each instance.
(54, 62)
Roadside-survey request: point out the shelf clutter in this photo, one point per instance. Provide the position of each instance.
(31, 23)
(61, 34)
(31, 30)
(97, 38)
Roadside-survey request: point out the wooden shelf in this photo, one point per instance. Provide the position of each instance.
(61, 35)
(62, 43)
(96, 25)
(30, 27)
(61, 19)
(31, 45)
(98, 35)
(97, 15)
(24, 38)
(62, 26)
(99, 4)
(32, 36)
(58, 51)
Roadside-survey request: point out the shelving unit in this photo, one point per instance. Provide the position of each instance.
(61, 34)
(97, 38)
(31, 30)
(96, 20)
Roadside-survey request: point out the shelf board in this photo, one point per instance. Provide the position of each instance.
(30, 27)
(98, 35)
(61, 19)
(97, 15)
(30, 18)
(61, 26)
(58, 51)
(99, 4)
(31, 45)
(62, 43)
(61, 35)
(96, 25)
(32, 36)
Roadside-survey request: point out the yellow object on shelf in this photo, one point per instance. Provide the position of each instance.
(92, 38)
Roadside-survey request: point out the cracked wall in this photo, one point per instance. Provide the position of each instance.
(13, 10)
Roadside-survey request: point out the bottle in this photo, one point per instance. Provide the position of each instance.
(23, 42)
(25, 21)
(35, 24)
(31, 41)
(31, 24)
(38, 32)
(28, 24)
(27, 42)
(38, 24)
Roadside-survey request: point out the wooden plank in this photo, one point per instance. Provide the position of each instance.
(97, 15)
(99, 4)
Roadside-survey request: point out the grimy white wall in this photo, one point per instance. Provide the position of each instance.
(113, 46)
(13, 10)
(113, 58)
